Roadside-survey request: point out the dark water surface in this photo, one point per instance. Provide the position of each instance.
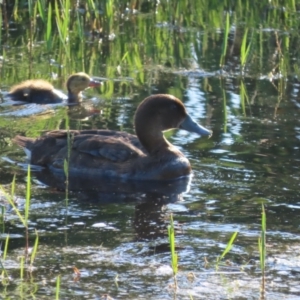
(116, 233)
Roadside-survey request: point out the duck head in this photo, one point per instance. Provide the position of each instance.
(159, 113)
(78, 82)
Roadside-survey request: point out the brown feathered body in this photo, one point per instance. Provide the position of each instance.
(42, 92)
(115, 154)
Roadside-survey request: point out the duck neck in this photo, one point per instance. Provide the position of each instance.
(73, 98)
(152, 141)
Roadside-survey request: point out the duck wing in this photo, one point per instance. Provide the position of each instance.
(87, 148)
(115, 149)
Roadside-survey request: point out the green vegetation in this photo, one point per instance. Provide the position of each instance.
(134, 52)
(174, 256)
(225, 41)
(91, 38)
(262, 251)
(227, 249)
(57, 287)
(219, 261)
(4, 274)
(27, 258)
(67, 164)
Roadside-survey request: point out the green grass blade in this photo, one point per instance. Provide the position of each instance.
(57, 287)
(61, 27)
(4, 254)
(57, 16)
(2, 218)
(22, 258)
(41, 10)
(15, 10)
(225, 40)
(224, 109)
(66, 168)
(124, 56)
(92, 5)
(30, 8)
(35, 247)
(262, 252)
(13, 187)
(5, 247)
(262, 240)
(49, 28)
(28, 191)
(244, 97)
(174, 256)
(229, 245)
(11, 202)
(4, 272)
(245, 49)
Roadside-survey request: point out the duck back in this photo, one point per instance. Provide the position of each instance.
(36, 91)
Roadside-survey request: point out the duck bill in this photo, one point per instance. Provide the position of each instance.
(95, 83)
(190, 125)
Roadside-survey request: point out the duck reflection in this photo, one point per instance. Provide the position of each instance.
(75, 111)
(149, 197)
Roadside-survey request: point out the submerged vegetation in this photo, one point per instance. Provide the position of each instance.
(222, 48)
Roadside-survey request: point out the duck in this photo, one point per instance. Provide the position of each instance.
(102, 153)
(41, 91)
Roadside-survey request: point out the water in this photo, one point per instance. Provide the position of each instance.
(116, 234)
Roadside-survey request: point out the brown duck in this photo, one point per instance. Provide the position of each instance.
(42, 92)
(120, 155)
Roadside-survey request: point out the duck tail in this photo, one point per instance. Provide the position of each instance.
(24, 142)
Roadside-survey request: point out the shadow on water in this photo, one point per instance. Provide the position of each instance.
(99, 186)
(148, 198)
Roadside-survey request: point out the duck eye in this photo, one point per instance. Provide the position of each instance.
(173, 106)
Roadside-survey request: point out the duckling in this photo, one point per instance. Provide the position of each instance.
(42, 92)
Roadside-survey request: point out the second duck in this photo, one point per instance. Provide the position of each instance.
(42, 92)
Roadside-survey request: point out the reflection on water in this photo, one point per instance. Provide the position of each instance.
(149, 198)
(98, 185)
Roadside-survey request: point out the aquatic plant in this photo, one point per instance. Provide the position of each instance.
(262, 251)
(245, 49)
(57, 287)
(67, 162)
(4, 274)
(244, 97)
(225, 40)
(174, 255)
(227, 248)
(24, 219)
(10, 199)
(93, 34)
